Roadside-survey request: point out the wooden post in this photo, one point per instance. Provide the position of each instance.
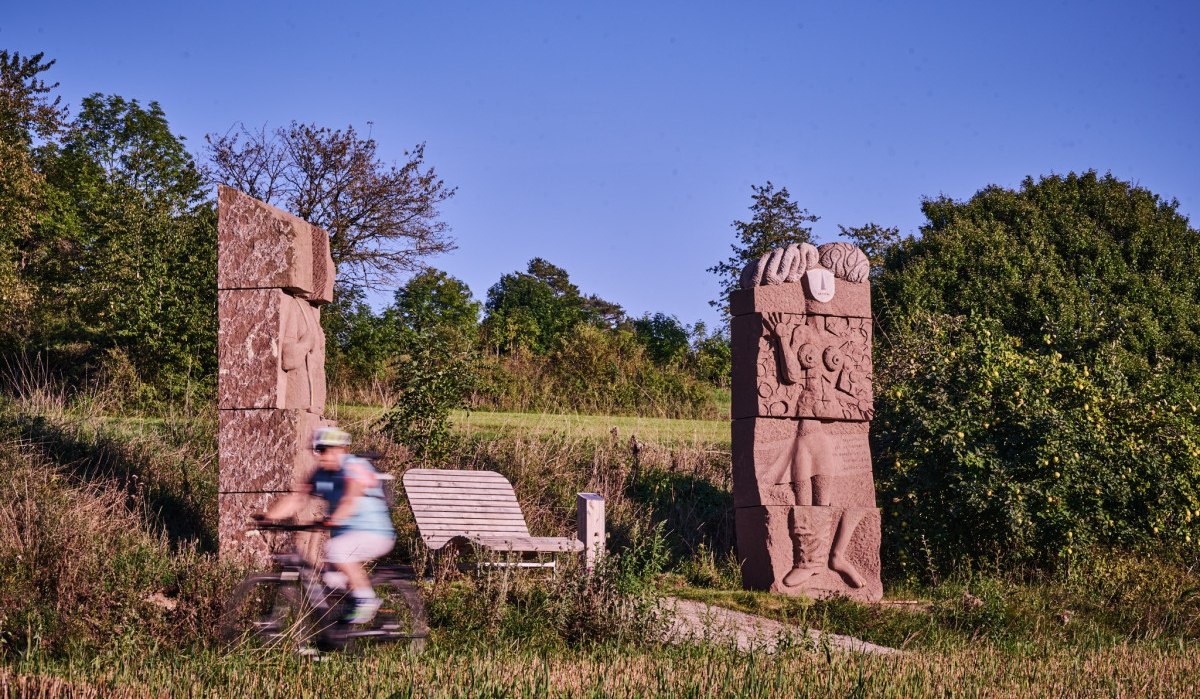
(589, 520)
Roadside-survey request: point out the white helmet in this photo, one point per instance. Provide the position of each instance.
(330, 436)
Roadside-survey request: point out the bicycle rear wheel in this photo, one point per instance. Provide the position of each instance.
(269, 610)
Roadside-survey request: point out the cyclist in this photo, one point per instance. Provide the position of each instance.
(356, 512)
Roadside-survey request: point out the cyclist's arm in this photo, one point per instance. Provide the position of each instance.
(290, 504)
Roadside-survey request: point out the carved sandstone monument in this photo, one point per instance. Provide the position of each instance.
(802, 401)
(274, 272)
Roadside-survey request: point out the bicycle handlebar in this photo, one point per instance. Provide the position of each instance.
(270, 525)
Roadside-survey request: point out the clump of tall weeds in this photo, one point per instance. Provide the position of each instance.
(79, 571)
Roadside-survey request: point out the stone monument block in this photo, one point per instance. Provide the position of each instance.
(239, 541)
(264, 450)
(322, 268)
(766, 452)
(271, 351)
(273, 271)
(261, 247)
(814, 551)
(802, 400)
(802, 365)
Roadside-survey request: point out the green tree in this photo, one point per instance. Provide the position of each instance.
(435, 322)
(532, 309)
(711, 356)
(776, 221)
(1036, 374)
(142, 252)
(360, 346)
(29, 114)
(874, 240)
(665, 338)
(1069, 264)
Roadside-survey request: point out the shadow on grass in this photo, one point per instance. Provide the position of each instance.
(697, 513)
(172, 508)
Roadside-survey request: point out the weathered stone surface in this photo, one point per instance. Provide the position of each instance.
(263, 450)
(271, 351)
(239, 541)
(812, 551)
(846, 261)
(802, 397)
(262, 247)
(850, 300)
(273, 271)
(323, 270)
(765, 455)
(793, 365)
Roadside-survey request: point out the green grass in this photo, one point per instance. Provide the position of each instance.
(1133, 625)
(647, 429)
(616, 672)
(487, 425)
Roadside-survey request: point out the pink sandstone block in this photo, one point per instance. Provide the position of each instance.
(261, 247)
(812, 551)
(263, 450)
(323, 268)
(850, 300)
(766, 456)
(796, 365)
(238, 541)
(271, 351)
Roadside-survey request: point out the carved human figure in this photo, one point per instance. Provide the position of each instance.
(810, 460)
(298, 341)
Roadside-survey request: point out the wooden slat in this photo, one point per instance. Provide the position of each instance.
(452, 473)
(442, 478)
(533, 544)
(459, 507)
(506, 529)
(456, 518)
(496, 493)
(483, 487)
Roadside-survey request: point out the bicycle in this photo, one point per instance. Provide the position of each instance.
(291, 606)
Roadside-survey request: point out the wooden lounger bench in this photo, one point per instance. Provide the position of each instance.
(481, 508)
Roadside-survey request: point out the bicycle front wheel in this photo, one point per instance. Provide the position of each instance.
(270, 610)
(402, 616)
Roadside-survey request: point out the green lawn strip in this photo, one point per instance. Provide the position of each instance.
(646, 429)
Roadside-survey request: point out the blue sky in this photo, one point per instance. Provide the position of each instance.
(619, 140)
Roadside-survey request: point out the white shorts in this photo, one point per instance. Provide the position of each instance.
(356, 547)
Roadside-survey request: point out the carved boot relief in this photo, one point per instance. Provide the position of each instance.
(811, 542)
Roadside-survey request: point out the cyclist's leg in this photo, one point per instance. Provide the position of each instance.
(347, 552)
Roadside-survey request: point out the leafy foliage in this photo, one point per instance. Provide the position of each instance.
(665, 338)
(777, 221)
(1091, 261)
(434, 320)
(533, 309)
(382, 219)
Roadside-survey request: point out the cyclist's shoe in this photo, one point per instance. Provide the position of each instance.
(364, 610)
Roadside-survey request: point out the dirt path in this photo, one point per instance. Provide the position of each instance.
(696, 621)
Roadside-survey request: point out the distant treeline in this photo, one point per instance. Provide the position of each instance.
(536, 345)
(108, 270)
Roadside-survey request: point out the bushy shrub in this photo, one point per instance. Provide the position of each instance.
(593, 371)
(989, 451)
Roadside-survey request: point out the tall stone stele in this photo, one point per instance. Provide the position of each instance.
(802, 404)
(274, 272)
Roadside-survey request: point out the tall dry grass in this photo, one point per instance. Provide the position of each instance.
(1126, 671)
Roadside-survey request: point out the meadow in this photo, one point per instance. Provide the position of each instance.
(109, 585)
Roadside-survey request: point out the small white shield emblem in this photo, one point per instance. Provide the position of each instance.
(820, 284)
